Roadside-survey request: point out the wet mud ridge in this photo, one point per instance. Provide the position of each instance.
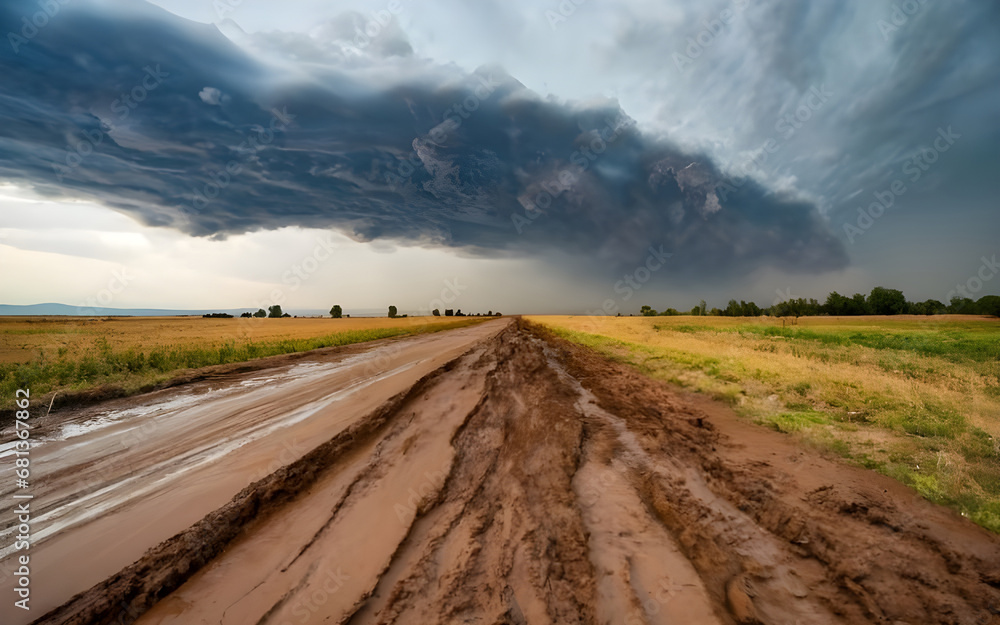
(531, 481)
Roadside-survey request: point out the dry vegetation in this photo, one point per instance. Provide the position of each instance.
(916, 398)
(65, 354)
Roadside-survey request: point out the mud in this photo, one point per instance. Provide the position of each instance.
(111, 481)
(532, 481)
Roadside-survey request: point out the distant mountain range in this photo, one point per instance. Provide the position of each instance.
(87, 311)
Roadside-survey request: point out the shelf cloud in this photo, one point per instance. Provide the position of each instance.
(173, 123)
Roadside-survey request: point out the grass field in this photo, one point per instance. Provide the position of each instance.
(915, 398)
(65, 354)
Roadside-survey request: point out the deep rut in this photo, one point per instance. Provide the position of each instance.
(535, 482)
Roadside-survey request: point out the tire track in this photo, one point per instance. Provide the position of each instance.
(532, 481)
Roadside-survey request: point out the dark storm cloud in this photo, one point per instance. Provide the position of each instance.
(944, 73)
(900, 73)
(172, 123)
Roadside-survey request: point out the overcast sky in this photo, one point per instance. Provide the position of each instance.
(523, 155)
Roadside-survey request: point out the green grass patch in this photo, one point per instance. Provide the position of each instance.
(795, 421)
(685, 329)
(917, 431)
(954, 344)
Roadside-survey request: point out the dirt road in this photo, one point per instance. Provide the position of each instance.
(529, 481)
(111, 481)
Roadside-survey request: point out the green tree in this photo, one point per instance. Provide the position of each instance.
(337, 312)
(927, 307)
(837, 304)
(274, 311)
(962, 306)
(858, 305)
(647, 311)
(261, 313)
(701, 308)
(884, 301)
(988, 305)
(436, 312)
(392, 312)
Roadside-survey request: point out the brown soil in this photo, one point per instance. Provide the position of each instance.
(113, 480)
(532, 481)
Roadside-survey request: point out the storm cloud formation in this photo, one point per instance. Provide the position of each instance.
(897, 72)
(173, 123)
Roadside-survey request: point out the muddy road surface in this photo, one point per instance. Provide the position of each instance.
(113, 480)
(523, 480)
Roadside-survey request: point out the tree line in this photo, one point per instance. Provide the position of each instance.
(337, 312)
(272, 312)
(881, 301)
(448, 312)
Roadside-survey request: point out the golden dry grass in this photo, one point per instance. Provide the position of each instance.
(24, 339)
(129, 354)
